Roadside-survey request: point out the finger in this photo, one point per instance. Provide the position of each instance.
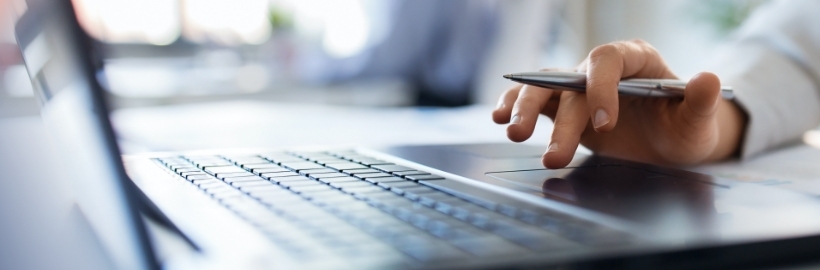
(700, 100)
(501, 114)
(604, 70)
(606, 66)
(570, 122)
(531, 101)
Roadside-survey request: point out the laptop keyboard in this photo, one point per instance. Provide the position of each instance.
(356, 204)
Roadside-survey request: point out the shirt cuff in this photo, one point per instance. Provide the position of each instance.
(779, 98)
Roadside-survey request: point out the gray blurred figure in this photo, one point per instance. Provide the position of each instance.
(435, 46)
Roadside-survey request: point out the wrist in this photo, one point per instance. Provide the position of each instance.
(731, 125)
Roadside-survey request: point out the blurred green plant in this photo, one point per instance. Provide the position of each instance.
(724, 16)
(280, 19)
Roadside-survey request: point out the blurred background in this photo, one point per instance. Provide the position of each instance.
(373, 53)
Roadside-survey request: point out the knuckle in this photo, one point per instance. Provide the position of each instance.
(510, 92)
(526, 104)
(562, 125)
(638, 41)
(604, 50)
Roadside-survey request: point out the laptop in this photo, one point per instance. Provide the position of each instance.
(467, 206)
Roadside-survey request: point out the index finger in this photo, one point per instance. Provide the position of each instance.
(607, 65)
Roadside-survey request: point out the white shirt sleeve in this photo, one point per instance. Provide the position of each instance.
(774, 67)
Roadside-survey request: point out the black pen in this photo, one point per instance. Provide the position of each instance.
(575, 81)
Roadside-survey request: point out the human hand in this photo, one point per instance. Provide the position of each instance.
(699, 128)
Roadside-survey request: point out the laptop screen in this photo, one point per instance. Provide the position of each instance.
(58, 59)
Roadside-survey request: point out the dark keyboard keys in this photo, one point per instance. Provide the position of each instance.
(391, 202)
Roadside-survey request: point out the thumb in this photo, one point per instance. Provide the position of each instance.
(700, 99)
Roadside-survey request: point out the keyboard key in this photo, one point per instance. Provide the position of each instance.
(325, 175)
(265, 190)
(197, 172)
(278, 174)
(303, 165)
(371, 175)
(334, 199)
(317, 171)
(486, 246)
(310, 188)
(412, 193)
(313, 155)
(346, 166)
(211, 162)
(347, 185)
(390, 179)
(244, 184)
(431, 199)
(236, 174)
(399, 185)
(199, 177)
(427, 250)
(290, 184)
(267, 164)
(285, 179)
(281, 157)
(224, 169)
(371, 161)
(206, 181)
(213, 185)
(392, 168)
(363, 189)
(360, 171)
(407, 173)
(250, 160)
(231, 180)
(425, 177)
(269, 170)
(339, 180)
(329, 160)
(186, 170)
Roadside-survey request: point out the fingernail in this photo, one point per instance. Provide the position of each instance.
(500, 106)
(516, 119)
(553, 147)
(600, 119)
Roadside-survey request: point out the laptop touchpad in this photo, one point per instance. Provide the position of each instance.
(627, 192)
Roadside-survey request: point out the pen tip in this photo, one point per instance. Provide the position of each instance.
(507, 76)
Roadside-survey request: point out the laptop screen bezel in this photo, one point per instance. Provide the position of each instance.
(75, 48)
